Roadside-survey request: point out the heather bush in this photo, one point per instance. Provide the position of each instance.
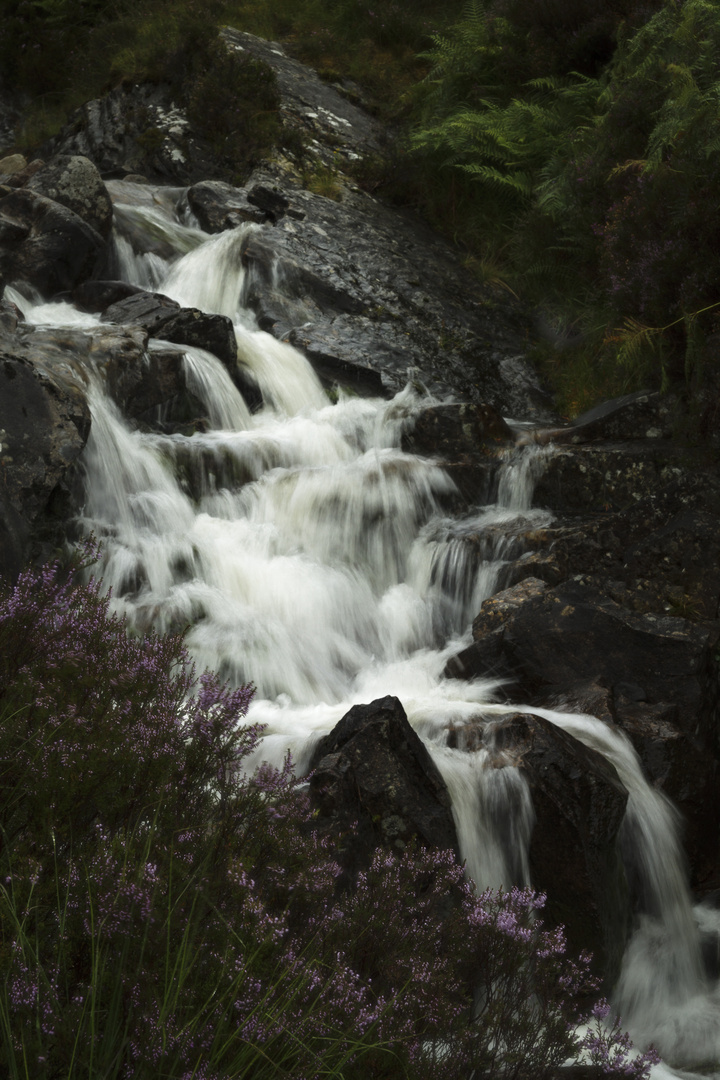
(165, 912)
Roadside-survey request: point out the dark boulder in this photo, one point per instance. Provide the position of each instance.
(550, 638)
(10, 316)
(162, 317)
(354, 283)
(46, 244)
(44, 425)
(643, 415)
(338, 131)
(99, 295)
(139, 380)
(133, 130)
(610, 476)
(270, 199)
(146, 309)
(674, 761)
(374, 783)
(219, 206)
(579, 804)
(76, 183)
(452, 430)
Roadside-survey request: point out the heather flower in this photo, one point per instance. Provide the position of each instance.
(164, 911)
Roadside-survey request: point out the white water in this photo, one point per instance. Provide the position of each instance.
(307, 553)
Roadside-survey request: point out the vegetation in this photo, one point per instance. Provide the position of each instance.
(594, 182)
(570, 148)
(166, 912)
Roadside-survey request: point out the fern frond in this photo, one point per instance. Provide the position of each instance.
(634, 340)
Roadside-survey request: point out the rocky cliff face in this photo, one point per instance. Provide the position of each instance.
(610, 609)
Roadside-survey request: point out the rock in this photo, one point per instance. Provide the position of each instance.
(273, 202)
(146, 309)
(99, 295)
(10, 316)
(139, 380)
(46, 244)
(574, 854)
(660, 555)
(353, 283)
(334, 128)
(680, 766)
(162, 317)
(13, 163)
(450, 431)
(76, 183)
(644, 415)
(609, 476)
(44, 424)
(374, 783)
(134, 129)
(547, 639)
(489, 659)
(20, 179)
(674, 761)
(219, 206)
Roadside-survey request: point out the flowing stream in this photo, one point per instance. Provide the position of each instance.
(310, 555)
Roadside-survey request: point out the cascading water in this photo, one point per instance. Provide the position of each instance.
(308, 554)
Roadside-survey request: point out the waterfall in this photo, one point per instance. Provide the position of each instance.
(307, 553)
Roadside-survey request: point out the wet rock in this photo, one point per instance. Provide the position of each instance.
(660, 554)
(675, 761)
(609, 476)
(140, 308)
(453, 430)
(99, 295)
(162, 317)
(333, 370)
(489, 658)
(219, 206)
(10, 316)
(589, 696)
(334, 129)
(550, 638)
(46, 244)
(374, 783)
(76, 183)
(354, 282)
(574, 855)
(541, 565)
(643, 415)
(680, 766)
(134, 129)
(44, 424)
(270, 199)
(138, 380)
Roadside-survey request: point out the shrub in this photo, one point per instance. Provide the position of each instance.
(165, 912)
(234, 103)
